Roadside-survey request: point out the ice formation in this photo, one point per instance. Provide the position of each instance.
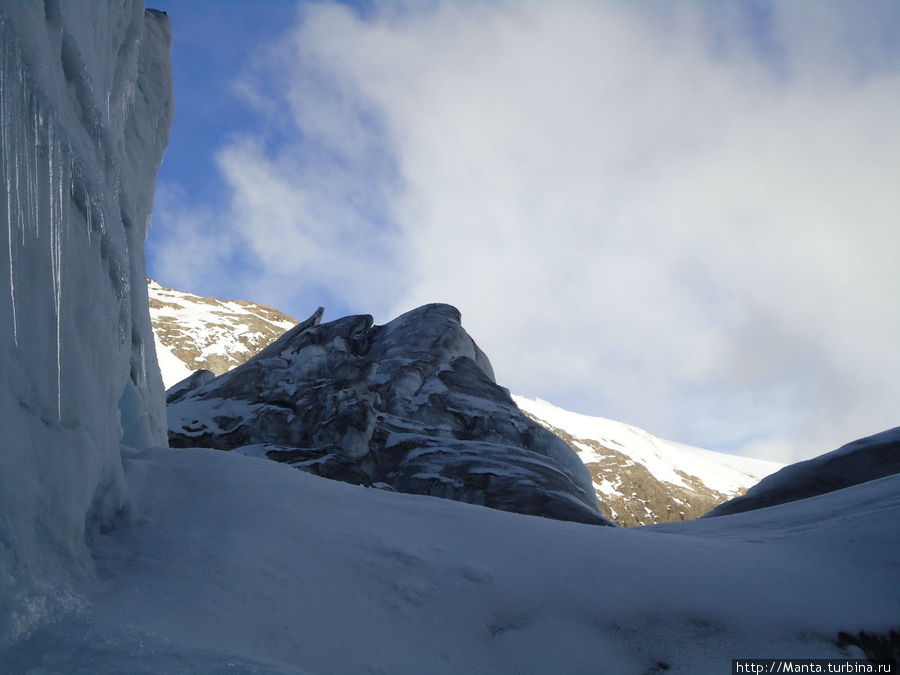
(411, 405)
(85, 109)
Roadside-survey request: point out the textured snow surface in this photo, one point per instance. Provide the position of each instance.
(720, 471)
(237, 564)
(85, 106)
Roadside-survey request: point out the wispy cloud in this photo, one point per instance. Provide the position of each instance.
(679, 215)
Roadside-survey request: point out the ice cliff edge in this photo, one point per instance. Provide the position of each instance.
(85, 111)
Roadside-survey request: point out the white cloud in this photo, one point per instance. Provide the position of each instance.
(688, 221)
(192, 243)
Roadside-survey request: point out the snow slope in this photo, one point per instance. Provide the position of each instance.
(172, 369)
(85, 107)
(681, 473)
(232, 563)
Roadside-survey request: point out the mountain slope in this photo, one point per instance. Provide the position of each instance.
(201, 333)
(641, 479)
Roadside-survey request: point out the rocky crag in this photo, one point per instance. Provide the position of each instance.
(410, 406)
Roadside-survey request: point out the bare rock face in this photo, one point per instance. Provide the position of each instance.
(863, 460)
(411, 405)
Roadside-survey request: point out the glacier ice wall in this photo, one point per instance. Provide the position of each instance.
(85, 111)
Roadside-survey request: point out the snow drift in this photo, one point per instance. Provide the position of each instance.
(85, 109)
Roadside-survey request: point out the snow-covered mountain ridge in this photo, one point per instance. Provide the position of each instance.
(641, 479)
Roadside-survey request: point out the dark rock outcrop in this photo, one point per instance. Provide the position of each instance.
(857, 462)
(411, 404)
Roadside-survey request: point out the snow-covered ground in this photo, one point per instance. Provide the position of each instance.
(666, 460)
(237, 564)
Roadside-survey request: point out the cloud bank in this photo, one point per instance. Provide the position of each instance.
(683, 216)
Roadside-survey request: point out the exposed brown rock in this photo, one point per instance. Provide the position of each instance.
(643, 498)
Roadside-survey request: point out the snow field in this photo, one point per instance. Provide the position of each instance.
(254, 561)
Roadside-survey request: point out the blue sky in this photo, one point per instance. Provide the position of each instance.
(680, 215)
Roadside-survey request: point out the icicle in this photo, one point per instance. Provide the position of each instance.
(38, 125)
(128, 99)
(88, 207)
(21, 226)
(24, 211)
(6, 137)
(56, 170)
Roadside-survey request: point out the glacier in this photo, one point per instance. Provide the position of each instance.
(85, 111)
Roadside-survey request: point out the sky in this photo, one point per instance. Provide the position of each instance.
(680, 215)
